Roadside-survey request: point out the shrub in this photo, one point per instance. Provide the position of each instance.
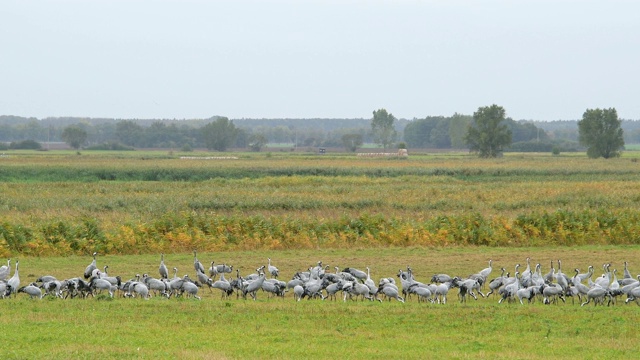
(26, 145)
(110, 146)
(530, 146)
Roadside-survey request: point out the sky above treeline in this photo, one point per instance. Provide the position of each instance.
(540, 60)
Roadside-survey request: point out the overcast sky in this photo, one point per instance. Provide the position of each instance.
(541, 60)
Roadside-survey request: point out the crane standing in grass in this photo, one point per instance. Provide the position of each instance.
(273, 270)
(14, 283)
(5, 270)
(89, 270)
(164, 272)
(197, 265)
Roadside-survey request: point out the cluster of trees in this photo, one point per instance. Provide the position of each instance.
(449, 132)
(488, 132)
(599, 131)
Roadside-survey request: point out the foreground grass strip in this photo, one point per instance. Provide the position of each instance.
(281, 328)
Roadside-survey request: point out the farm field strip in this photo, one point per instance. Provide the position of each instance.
(514, 201)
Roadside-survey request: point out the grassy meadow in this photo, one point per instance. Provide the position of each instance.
(64, 203)
(282, 328)
(437, 213)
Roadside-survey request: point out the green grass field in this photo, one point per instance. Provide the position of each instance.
(437, 213)
(282, 328)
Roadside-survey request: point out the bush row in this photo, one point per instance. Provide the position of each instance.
(179, 232)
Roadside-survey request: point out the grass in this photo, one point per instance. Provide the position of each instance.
(281, 328)
(300, 208)
(57, 203)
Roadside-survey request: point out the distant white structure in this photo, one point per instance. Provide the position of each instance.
(209, 157)
(401, 152)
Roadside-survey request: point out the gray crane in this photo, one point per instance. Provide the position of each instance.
(359, 289)
(511, 287)
(89, 270)
(627, 274)
(333, 289)
(274, 287)
(213, 270)
(13, 284)
(561, 278)
(496, 283)
(191, 289)
(53, 287)
(5, 270)
(252, 287)
(32, 290)
(156, 285)
(423, 293)
(164, 272)
(525, 276)
(197, 265)
(224, 286)
(391, 292)
(441, 278)
(486, 271)
(298, 292)
(139, 288)
(527, 293)
(373, 289)
(358, 274)
(551, 293)
(581, 288)
(5, 290)
(101, 284)
(273, 270)
(634, 294)
(204, 279)
(597, 294)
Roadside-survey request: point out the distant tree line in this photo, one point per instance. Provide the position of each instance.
(220, 133)
(450, 132)
(216, 133)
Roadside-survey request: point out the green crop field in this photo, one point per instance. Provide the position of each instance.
(446, 213)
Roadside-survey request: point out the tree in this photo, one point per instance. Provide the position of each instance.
(439, 136)
(600, 131)
(351, 142)
(488, 134)
(257, 142)
(458, 129)
(129, 133)
(417, 133)
(74, 135)
(220, 134)
(384, 133)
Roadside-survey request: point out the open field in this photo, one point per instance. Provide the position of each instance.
(436, 213)
(281, 328)
(57, 203)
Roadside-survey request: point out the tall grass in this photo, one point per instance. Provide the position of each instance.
(54, 203)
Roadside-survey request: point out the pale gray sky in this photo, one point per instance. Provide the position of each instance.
(542, 60)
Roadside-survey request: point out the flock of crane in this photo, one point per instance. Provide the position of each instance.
(349, 284)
